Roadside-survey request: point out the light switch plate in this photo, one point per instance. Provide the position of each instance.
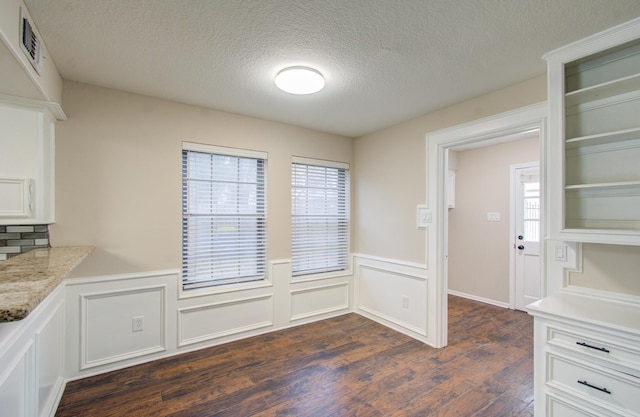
(493, 216)
(560, 253)
(424, 217)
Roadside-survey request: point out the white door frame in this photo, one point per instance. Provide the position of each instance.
(438, 143)
(513, 183)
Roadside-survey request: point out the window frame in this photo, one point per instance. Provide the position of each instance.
(261, 259)
(342, 269)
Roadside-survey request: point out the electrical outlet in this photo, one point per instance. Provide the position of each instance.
(137, 324)
(405, 301)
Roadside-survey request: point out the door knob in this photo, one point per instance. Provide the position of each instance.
(520, 237)
(521, 247)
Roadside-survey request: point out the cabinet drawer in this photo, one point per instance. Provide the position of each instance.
(595, 384)
(556, 407)
(609, 352)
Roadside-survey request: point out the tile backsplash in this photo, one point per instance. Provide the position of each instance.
(15, 240)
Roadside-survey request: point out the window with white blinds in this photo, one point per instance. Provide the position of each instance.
(319, 216)
(223, 216)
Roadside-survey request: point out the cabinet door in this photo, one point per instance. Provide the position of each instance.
(15, 198)
(27, 177)
(50, 350)
(17, 385)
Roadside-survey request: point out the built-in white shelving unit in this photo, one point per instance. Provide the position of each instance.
(594, 120)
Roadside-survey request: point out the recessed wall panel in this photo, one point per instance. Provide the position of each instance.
(217, 320)
(319, 300)
(107, 331)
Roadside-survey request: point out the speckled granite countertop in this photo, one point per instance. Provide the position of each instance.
(27, 279)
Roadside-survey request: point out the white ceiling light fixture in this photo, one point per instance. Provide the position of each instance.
(300, 80)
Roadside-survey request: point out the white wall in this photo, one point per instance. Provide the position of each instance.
(391, 172)
(118, 175)
(390, 182)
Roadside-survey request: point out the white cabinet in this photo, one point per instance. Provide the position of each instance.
(594, 148)
(32, 360)
(587, 357)
(26, 164)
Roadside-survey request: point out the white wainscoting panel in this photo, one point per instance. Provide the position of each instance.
(99, 312)
(216, 320)
(49, 342)
(393, 293)
(319, 300)
(17, 385)
(106, 326)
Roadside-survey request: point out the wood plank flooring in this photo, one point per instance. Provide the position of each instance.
(344, 366)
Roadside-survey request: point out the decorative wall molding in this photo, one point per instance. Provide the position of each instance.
(393, 293)
(224, 320)
(322, 300)
(128, 345)
(198, 321)
(481, 299)
(94, 280)
(390, 261)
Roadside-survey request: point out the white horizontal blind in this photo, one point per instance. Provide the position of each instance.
(319, 218)
(223, 219)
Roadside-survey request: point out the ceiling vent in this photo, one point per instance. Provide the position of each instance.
(29, 41)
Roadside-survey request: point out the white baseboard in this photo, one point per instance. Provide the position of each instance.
(481, 299)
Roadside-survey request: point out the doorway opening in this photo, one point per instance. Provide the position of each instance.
(483, 262)
(484, 132)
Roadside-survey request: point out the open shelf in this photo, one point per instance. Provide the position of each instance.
(604, 138)
(604, 185)
(604, 90)
(594, 105)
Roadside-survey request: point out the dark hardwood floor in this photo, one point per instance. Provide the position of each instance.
(344, 366)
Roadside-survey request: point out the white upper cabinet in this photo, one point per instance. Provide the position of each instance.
(27, 184)
(594, 138)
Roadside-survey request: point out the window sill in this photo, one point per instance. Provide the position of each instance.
(320, 277)
(223, 289)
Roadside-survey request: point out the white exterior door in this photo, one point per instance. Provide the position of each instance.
(528, 279)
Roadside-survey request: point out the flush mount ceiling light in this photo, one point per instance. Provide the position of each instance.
(300, 80)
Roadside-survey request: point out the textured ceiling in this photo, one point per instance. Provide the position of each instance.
(385, 61)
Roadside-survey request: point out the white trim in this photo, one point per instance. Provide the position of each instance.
(223, 150)
(120, 277)
(438, 143)
(222, 289)
(584, 47)
(32, 104)
(392, 323)
(391, 261)
(480, 299)
(319, 162)
(321, 277)
(417, 277)
(602, 294)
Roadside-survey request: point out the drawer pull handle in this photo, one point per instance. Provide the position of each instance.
(601, 349)
(606, 391)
